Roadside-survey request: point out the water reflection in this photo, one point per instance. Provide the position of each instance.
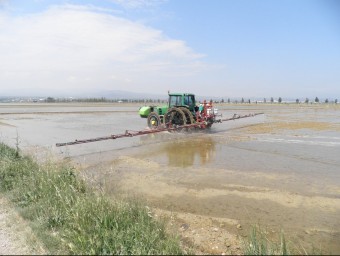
(179, 150)
(185, 153)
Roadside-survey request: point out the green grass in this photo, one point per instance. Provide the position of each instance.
(259, 244)
(70, 218)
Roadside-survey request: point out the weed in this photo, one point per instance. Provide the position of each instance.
(258, 243)
(69, 217)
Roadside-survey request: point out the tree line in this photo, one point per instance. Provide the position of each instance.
(280, 100)
(103, 99)
(234, 101)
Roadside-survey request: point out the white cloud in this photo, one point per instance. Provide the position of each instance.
(135, 4)
(78, 48)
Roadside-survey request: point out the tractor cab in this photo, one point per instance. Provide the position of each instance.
(182, 99)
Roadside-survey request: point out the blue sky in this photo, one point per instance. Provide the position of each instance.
(227, 48)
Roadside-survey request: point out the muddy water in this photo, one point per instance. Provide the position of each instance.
(281, 170)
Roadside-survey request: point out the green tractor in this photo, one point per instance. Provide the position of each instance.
(180, 110)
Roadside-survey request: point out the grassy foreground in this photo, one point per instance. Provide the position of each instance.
(70, 218)
(258, 244)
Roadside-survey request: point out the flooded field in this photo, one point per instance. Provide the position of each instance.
(280, 170)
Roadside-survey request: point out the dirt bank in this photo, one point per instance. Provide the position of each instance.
(16, 237)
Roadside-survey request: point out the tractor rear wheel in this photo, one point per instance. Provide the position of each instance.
(188, 115)
(154, 121)
(175, 117)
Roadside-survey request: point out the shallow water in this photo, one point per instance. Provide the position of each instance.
(281, 169)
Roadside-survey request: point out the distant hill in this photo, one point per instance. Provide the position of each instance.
(109, 94)
(117, 94)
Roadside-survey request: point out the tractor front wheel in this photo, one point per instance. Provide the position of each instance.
(154, 121)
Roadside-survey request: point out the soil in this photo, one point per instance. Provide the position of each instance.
(274, 126)
(203, 234)
(214, 217)
(16, 237)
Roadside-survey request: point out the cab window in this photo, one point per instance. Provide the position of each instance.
(175, 101)
(189, 100)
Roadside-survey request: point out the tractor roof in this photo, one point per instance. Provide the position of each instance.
(180, 94)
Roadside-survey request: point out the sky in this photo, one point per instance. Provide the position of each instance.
(221, 48)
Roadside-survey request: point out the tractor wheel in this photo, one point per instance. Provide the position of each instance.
(175, 117)
(188, 115)
(154, 121)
